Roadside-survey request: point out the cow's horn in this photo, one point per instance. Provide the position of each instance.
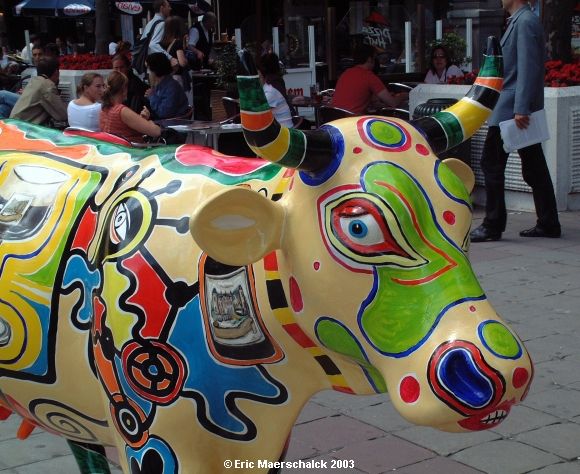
(310, 150)
(450, 127)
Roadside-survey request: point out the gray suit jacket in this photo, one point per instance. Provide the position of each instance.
(524, 54)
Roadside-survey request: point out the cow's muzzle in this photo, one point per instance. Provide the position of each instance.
(460, 376)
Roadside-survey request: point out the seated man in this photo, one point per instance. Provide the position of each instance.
(357, 86)
(166, 96)
(40, 101)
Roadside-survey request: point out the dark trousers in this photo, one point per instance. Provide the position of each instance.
(535, 173)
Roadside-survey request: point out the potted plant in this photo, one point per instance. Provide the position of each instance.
(226, 64)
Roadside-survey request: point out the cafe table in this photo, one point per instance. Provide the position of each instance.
(311, 103)
(200, 132)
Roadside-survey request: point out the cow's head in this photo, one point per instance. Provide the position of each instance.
(372, 238)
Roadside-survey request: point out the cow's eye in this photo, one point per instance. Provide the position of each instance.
(362, 230)
(361, 227)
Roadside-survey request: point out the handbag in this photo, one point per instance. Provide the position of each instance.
(140, 51)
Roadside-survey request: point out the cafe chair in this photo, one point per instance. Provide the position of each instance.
(393, 112)
(187, 115)
(327, 93)
(232, 108)
(328, 113)
(396, 87)
(103, 136)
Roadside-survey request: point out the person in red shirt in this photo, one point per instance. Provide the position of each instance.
(357, 86)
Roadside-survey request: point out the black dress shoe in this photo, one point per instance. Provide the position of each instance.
(538, 231)
(484, 234)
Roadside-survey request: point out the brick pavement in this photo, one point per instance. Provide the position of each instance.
(535, 285)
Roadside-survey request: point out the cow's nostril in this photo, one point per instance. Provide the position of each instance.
(460, 377)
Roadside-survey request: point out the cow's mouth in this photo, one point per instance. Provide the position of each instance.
(488, 419)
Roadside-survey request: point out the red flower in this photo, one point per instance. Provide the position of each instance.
(559, 74)
(87, 62)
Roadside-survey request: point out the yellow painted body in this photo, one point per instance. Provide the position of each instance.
(190, 357)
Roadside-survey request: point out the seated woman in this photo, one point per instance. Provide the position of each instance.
(118, 119)
(440, 68)
(166, 97)
(273, 84)
(84, 112)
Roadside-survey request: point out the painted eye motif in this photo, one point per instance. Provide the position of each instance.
(131, 218)
(361, 227)
(121, 223)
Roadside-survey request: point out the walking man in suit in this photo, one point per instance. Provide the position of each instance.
(523, 47)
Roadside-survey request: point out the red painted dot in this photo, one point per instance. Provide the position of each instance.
(295, 296)
(520, 377)
(316, 266)
(422, 149)
(449, 217)
(472, 309)
(409, 389)
(357, 150)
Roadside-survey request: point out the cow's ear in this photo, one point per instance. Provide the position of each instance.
(237, 226)
(462, 171)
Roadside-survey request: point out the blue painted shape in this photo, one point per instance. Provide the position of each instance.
(212, 380)
(40, 365)
(320, 177)
(77, 271)
(462, 378)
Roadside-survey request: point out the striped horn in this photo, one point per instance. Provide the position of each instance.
(309, 151)
(454, 125)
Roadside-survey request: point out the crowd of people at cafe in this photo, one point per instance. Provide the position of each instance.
(129, 104)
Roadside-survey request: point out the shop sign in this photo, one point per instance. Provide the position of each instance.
(131, 8)
(378, 36)
(75, 9)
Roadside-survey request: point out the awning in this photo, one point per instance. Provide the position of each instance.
(60, 8)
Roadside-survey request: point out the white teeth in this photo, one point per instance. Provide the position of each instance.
(495, 417)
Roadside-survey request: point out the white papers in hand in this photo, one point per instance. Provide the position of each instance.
(515, 138)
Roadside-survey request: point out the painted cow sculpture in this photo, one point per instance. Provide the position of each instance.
(183, 306)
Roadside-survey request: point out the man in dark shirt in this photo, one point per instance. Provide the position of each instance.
(201, 38)
(136, 88)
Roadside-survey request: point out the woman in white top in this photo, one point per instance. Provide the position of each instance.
(269, 70)
(84, 112)
(440, 70)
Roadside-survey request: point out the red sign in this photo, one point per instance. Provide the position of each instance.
(131, 8)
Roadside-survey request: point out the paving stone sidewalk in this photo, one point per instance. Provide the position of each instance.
(535, 285)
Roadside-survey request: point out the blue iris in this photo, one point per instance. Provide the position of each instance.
(358, 228)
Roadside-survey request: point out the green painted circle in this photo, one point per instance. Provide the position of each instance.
(500, 340)
(386, 133)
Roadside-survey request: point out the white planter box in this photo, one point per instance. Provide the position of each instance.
(69, 80)
(562, 150)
